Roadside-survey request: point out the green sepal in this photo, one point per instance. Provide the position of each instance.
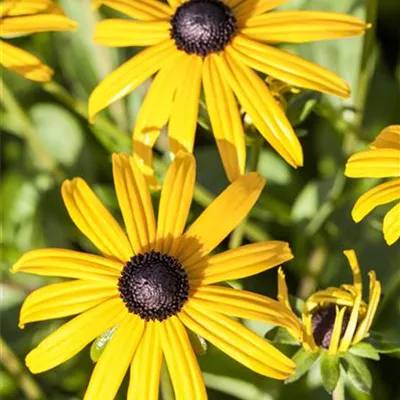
(365, 350)
(198, 343)
(300, 106)
(358, 373)
(330, 371)
(282, 336)
(383, 344)
(304, 360)
(98, 346)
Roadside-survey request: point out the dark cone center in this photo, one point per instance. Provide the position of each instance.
(323, 321)
(154, 286)
(202, 26)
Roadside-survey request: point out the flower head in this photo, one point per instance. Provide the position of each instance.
(381, 160)
(334, 319)
(21, 17)
(217, 45)
(155, 282)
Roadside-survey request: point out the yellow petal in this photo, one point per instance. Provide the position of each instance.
(135, 203)
(176, 198)
(73, 336)
(146, 366)
(129, 76)
(308, 337)
(263, 109)
(243, 304)
(391, 225)
(181, 361)
(337, 329)
(111, 368)
(219, 219)
(237, 342)
(239, 263)
(68, 264)
(36, 23)
(12, 8)
(144, 10)
(225, 119)
(283, 295)
(24, 63)
(251, 8)
(64, 299)
(374, 297)
(302, 26)
(124, 33)
(183, 121)
(94, 220)
(154, 114)
(355, 268)
(381, 194)
(374, 163)
(175, 3)
(232, 3)
(389, 138)
(288, 67)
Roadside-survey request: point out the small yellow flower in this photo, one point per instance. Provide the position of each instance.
(217, 45)
(336, 318)
(155, 282)
(381, 160)
(21, 17)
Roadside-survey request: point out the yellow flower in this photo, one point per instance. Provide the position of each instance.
(381, 160)
(215, 44)
(20, 17)
(153, 282)
(336, 318)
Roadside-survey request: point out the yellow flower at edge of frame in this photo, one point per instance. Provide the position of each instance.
(381, 160)
(226, 73)
(102, 286)
(352, 317)
(21, 17)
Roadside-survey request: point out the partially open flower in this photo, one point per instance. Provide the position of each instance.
(336, 318)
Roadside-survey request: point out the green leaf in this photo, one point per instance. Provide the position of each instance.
(358, 373)
(304, 360)
(59, 132)
(306, 204)
(281, 335)
(300, 106)
(365, 350)
(98, 346)
(330, 371)
(384, 344)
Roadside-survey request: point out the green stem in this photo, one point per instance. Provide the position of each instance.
(338, 393)
(12, 105)
(25, 382)
(367, 62)
(238, 234)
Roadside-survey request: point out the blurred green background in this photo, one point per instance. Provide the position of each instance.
(45, 138)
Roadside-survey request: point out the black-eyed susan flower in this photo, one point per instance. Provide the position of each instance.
(334, 323)
(381, 160)
(217, 45)
(334, 319)
(22, 17)
(153, 283)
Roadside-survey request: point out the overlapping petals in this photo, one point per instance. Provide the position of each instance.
(136, 342)
(224, 76)
(382, 160)
(26, 17)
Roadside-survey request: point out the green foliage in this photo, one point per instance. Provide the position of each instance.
(358, 373)
(304, 360)
(330, 371)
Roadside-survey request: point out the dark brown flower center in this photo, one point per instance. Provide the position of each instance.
(154, 286)
(202, 26)
(323, 322)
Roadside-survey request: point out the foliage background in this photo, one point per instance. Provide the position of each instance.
(46, 138)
